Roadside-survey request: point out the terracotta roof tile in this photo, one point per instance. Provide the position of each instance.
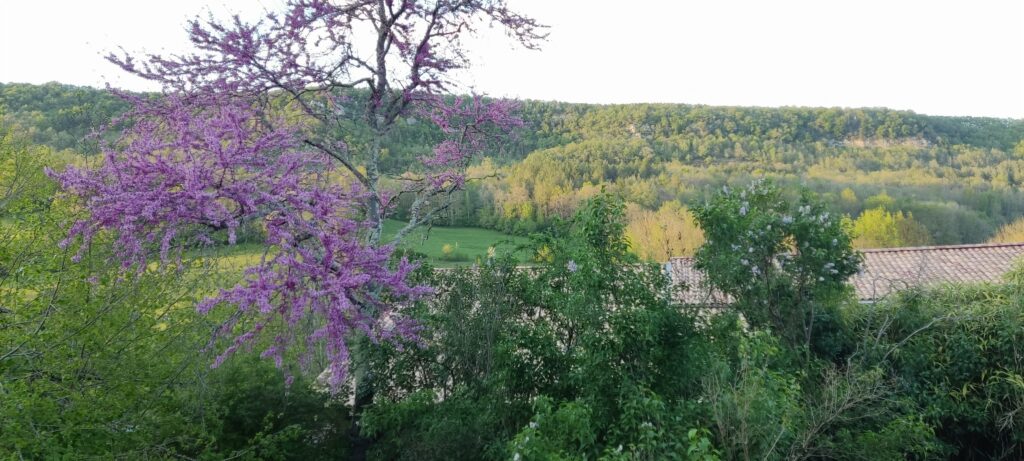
(697, 290)
(889, 269)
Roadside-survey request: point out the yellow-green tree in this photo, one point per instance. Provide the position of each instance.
(880, 200)
(880, 228)
(848, 200)
(659, 235)
(1010, 233)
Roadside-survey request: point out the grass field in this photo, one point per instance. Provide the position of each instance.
(467, 244)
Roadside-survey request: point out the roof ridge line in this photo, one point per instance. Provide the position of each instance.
(966, 246)
(942, 247)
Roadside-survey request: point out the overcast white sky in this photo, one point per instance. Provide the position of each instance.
(940, 57)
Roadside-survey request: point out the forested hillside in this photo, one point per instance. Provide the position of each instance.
(59, 116)
(956, 176)
(926, 179)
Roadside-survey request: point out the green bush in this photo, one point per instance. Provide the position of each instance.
(955, 351)
(578, 342)
(784, 263)
(98, 364)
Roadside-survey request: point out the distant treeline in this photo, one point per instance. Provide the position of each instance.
(950, 179)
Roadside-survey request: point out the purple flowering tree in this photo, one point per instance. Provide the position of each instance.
(249, 128)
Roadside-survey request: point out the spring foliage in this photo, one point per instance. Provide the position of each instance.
(784, 263)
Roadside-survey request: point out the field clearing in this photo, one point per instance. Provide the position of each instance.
(467, 244)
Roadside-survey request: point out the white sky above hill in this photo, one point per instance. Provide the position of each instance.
(940, 57)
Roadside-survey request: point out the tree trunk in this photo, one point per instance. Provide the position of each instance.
(362, 374)
(363, 393)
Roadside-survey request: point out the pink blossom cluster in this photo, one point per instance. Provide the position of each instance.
(183, 172)
(216, 151)
(471, 124)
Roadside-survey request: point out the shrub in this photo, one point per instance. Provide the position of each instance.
(450, 253)
(955, 352)
(784, 264)
(588, 345)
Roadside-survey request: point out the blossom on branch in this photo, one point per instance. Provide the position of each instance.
(251, 127)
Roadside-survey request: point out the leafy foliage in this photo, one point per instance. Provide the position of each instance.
(669, 232)
(1010, 233)
(584, 356)
(784, 264)
(591, 342)
(94, 364)
(955, 351)
(59, 116)
(879, 228)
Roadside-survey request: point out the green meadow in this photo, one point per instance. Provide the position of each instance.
(465, 245)
(454, 246)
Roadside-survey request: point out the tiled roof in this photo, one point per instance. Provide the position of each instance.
(891, 269)
(888, 270)
(696, 291)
